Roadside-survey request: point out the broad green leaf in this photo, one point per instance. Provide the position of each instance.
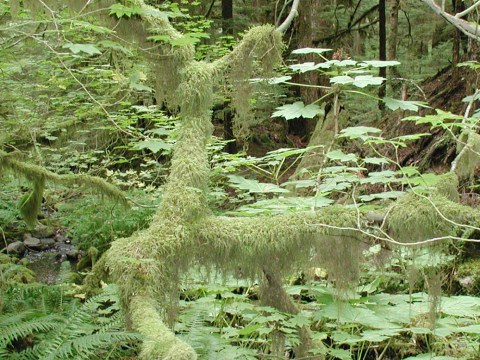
(120, 10)
(298, 109)
(304, 67)
(153, 145)
(342, 79)
(85, 48)
(422, 180)
(362, 81)
(355, 132)
(271, 81)
(380, 177)
(383, 195)
(473, 97)
(156, 38)
(249, 329)
(394, 104)
(379, 63)
(89, 26)
(471, 64)
(283, 205)
(341, 354)
(140, 87)
(375, 160)
(108, 44)
(431, 356)
(254, 186)
(309, 50)
(341, 156)
(184, 40)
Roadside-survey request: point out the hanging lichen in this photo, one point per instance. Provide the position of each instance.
(256, 55)
(468, 149)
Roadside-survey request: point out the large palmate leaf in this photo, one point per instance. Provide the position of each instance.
(85, 48)
(254, 186)
(298, 109)
(309, 50)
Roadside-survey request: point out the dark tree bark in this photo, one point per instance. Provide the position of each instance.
(392, 42)
(304, 31)
(383, 49)
(227, 27)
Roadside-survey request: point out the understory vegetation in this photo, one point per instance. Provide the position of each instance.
(180, 180)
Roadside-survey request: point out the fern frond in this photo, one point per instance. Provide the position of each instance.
(19, 330)
(86, 345)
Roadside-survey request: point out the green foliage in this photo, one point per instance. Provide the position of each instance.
(97, 225)
(91, 329)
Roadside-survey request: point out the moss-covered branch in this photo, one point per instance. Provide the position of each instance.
(38, 175)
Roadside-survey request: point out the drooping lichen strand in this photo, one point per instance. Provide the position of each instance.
(468, 149)
(245, 246)
(255, 56)
(167, 60)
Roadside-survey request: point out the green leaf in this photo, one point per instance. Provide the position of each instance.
(394, 104)
(184, 41)
(379, 63)
(343, 79)
(115, 46)
(304, 67)
(375, 161)
(341, 156)
(298, 109)
(89, 26)
(355, 132)
(153, 145)
(362, 81)
(85, 48)
(140, 87)
(120, 10)
(309, 50)
(271, 81)
(254, 186)
(249, 329)
(383, 195)
(157, 38)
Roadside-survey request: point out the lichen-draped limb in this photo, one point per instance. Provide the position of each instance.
(38, 175)
(415, 217)
(284, 243)
(256, 55)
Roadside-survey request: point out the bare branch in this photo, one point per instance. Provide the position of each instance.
(468, 28)
(293, 13)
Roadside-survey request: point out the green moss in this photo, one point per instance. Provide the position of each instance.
(447, 186)
(468, 150)
(160, 342)
(416, 218)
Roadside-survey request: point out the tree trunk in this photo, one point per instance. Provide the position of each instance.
(227, 27)
(392, 41)
(383, 49)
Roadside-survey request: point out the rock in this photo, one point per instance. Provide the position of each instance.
(73, 254)
(48, 242)
(33, 243)
(43, 232)
(16, 248)
(61, 238)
